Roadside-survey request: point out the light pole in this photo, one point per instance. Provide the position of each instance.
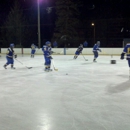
(93, 31)
(39, 33)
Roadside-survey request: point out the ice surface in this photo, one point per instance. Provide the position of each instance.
(93, 96)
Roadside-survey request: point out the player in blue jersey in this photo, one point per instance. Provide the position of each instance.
(95, 50)
(47, 55)
(33, 50)
(78, 51)
(127, 52)
(9, 56)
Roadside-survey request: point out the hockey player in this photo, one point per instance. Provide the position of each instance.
(127, 52)
(95, 50)
(47, 55)
(33, 50)
(78, 51)
(9, 56)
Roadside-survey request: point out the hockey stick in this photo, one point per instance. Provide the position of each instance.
(37, 50)
(60, 52)
(54, 66)
(84, 57)
(23, 64)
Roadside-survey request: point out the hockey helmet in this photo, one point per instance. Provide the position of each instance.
(11, 44)
(48, 42)
(32, 44)
(98, 43)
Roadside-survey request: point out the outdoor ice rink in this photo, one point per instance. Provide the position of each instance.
(93, 96)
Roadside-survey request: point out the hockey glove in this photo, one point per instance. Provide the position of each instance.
(100, 50)
(51, 52)
(50, 57)
(122, 56)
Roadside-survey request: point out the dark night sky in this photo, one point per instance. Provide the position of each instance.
(26, 5)
(108, 8)
(91, 9)
(95, 9)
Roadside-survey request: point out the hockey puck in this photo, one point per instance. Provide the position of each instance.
(113, 61)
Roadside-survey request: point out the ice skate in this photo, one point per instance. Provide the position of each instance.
(12, 67)
(5, 66)
(94, 60)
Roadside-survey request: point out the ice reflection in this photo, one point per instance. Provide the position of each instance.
(45, 121)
